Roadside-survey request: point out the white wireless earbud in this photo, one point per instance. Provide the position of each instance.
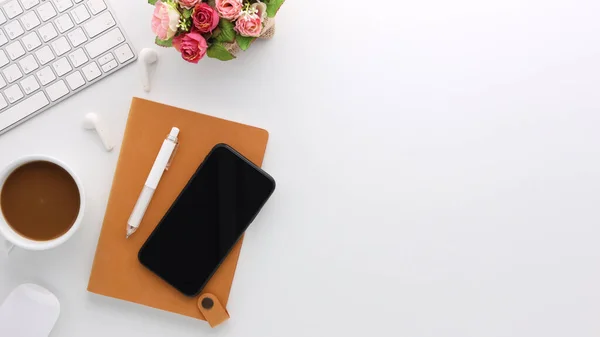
(147, 57)
(92, 122)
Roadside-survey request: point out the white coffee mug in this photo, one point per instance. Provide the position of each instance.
(11, 237)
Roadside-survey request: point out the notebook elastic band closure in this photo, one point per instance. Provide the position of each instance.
(212, 309)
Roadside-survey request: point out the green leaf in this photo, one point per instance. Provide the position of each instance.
(273, 7)
(244, 42)
(187, 13)
(218, 51)
(152, 2)
(164, 43)
(227, 33)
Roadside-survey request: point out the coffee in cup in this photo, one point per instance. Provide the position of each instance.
(40, 200)
(41, 203)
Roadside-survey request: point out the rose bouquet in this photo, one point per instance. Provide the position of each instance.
(215, 28)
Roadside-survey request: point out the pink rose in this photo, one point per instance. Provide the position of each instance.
(165, 20)
(192, 46)
(229, 9)
(249, 25)
(188, 3)
(205, 18)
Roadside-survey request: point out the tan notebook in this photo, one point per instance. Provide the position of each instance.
(116, 271)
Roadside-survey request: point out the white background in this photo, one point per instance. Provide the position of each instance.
(438, 170)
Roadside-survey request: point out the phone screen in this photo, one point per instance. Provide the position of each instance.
(207, 219)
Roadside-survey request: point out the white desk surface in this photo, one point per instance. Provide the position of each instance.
(438, 170)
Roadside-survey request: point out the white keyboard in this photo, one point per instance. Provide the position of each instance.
(52, 49)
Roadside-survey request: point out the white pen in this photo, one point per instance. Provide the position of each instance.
(161, 164)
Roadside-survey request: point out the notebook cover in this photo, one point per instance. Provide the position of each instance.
(116, 271)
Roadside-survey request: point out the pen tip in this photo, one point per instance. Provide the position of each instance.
(130, 231)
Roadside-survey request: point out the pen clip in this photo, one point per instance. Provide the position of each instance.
(172, 156)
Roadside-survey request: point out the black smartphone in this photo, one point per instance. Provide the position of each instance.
(209, 216)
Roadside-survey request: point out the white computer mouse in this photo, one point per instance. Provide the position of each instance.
(29, 311)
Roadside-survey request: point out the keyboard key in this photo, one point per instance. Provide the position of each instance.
(28, 4)
(3, 59)
(12, 73)
(45, 76)
(14, 29)
(75, 80)
(48, 32)
(44, 55)
(12, 9)
(91, 71)
(63, 5)
(13, 93)
(31, 41)
(29, 85)
(104, 43)
(15, 50)
(30, 20)
(46, 11)
(99, 24)
(110, 66)
(2, 18)
(57, 90)
(96, 6)
(61, 66)
(61, 46)
(80, 14)
(3, 103)
(124, 53)
(77, 37)
(78, 58)
(3, 38)
(23, 109)
(105, 59)
(64, 23)
(78, 1)
(28, 64)
(2, 82)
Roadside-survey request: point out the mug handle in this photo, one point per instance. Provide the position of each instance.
(5, 246)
